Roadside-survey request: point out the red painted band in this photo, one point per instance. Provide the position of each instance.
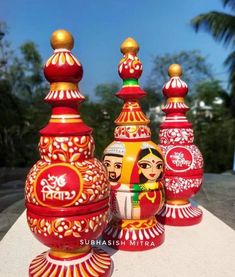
(79, 256)
(193, 173)
(70, 211)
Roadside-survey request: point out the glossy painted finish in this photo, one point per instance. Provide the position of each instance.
(184, 162)
(66, 191)
(135, 167)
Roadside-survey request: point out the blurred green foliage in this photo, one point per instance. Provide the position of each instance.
(221, 26)
(195, 69)
(214, 132)
(23, 112)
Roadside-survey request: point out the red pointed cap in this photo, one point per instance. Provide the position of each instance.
(62, 66)
(175, 87)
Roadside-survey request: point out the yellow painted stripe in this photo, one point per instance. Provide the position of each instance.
(40, 257)
(49, 60)
(127, 86)
(84, 274)
(100, 263)
(54, 273)
(39, 273)
(39, 267)
(64, 120)
(63, 86)
(38, 264)
(67, 116)
(175, 100)
(101, 260)
(96, 267)
(55, 58)
(90, 270)
(61, 272)
(68, 273)
(48, 272)
(35, 262)
(104, 255)
(76, 272)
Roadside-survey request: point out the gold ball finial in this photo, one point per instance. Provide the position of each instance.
(175, 70)
(129, 45)
(62, 39)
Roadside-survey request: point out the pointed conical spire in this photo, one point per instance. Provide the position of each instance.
(67, 192)
(134, 165)
(64, 71)
(184, 162)
(175, 87)
(130, 69)
(175, 91)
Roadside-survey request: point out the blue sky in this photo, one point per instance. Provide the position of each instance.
(99, 27)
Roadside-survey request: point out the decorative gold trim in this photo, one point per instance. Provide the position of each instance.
(175, 70)
(71, 116)
(119, 123)
(131, 116)
(63, 86)
(175, 100)
(64, 120)
(129, 45)
(137, 224)
(126, 86)
(78, 252)
(62, 39)
(177, 201)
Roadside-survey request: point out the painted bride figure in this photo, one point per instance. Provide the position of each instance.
(150, 172)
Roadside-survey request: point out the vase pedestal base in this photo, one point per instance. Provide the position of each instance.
(134, 235)
(93, 263)
(180, 215)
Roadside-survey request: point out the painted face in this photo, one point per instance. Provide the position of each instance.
(151, 167)
(113, 165)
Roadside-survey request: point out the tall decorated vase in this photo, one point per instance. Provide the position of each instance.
(184, 162)
(135, 167)
(66, 191)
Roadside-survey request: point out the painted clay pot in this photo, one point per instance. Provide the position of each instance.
(66, 191)
(184, 162)
(135, 167)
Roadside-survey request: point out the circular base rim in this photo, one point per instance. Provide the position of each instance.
(180, 215)
(94, 263)
(134, 240)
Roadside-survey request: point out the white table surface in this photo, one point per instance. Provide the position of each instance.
(203, 250)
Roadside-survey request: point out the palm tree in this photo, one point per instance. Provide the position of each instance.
(221, 26)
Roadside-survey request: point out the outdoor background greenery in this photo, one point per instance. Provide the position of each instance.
(23, 87)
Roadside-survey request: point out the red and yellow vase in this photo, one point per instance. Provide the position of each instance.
(66, 191)
(135, 167)
(184, 162)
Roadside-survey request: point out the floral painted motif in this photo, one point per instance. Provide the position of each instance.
(64, 227)
(176, 136)
(179, 184)
(66, 149)
(131, 66)
(130, 132)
